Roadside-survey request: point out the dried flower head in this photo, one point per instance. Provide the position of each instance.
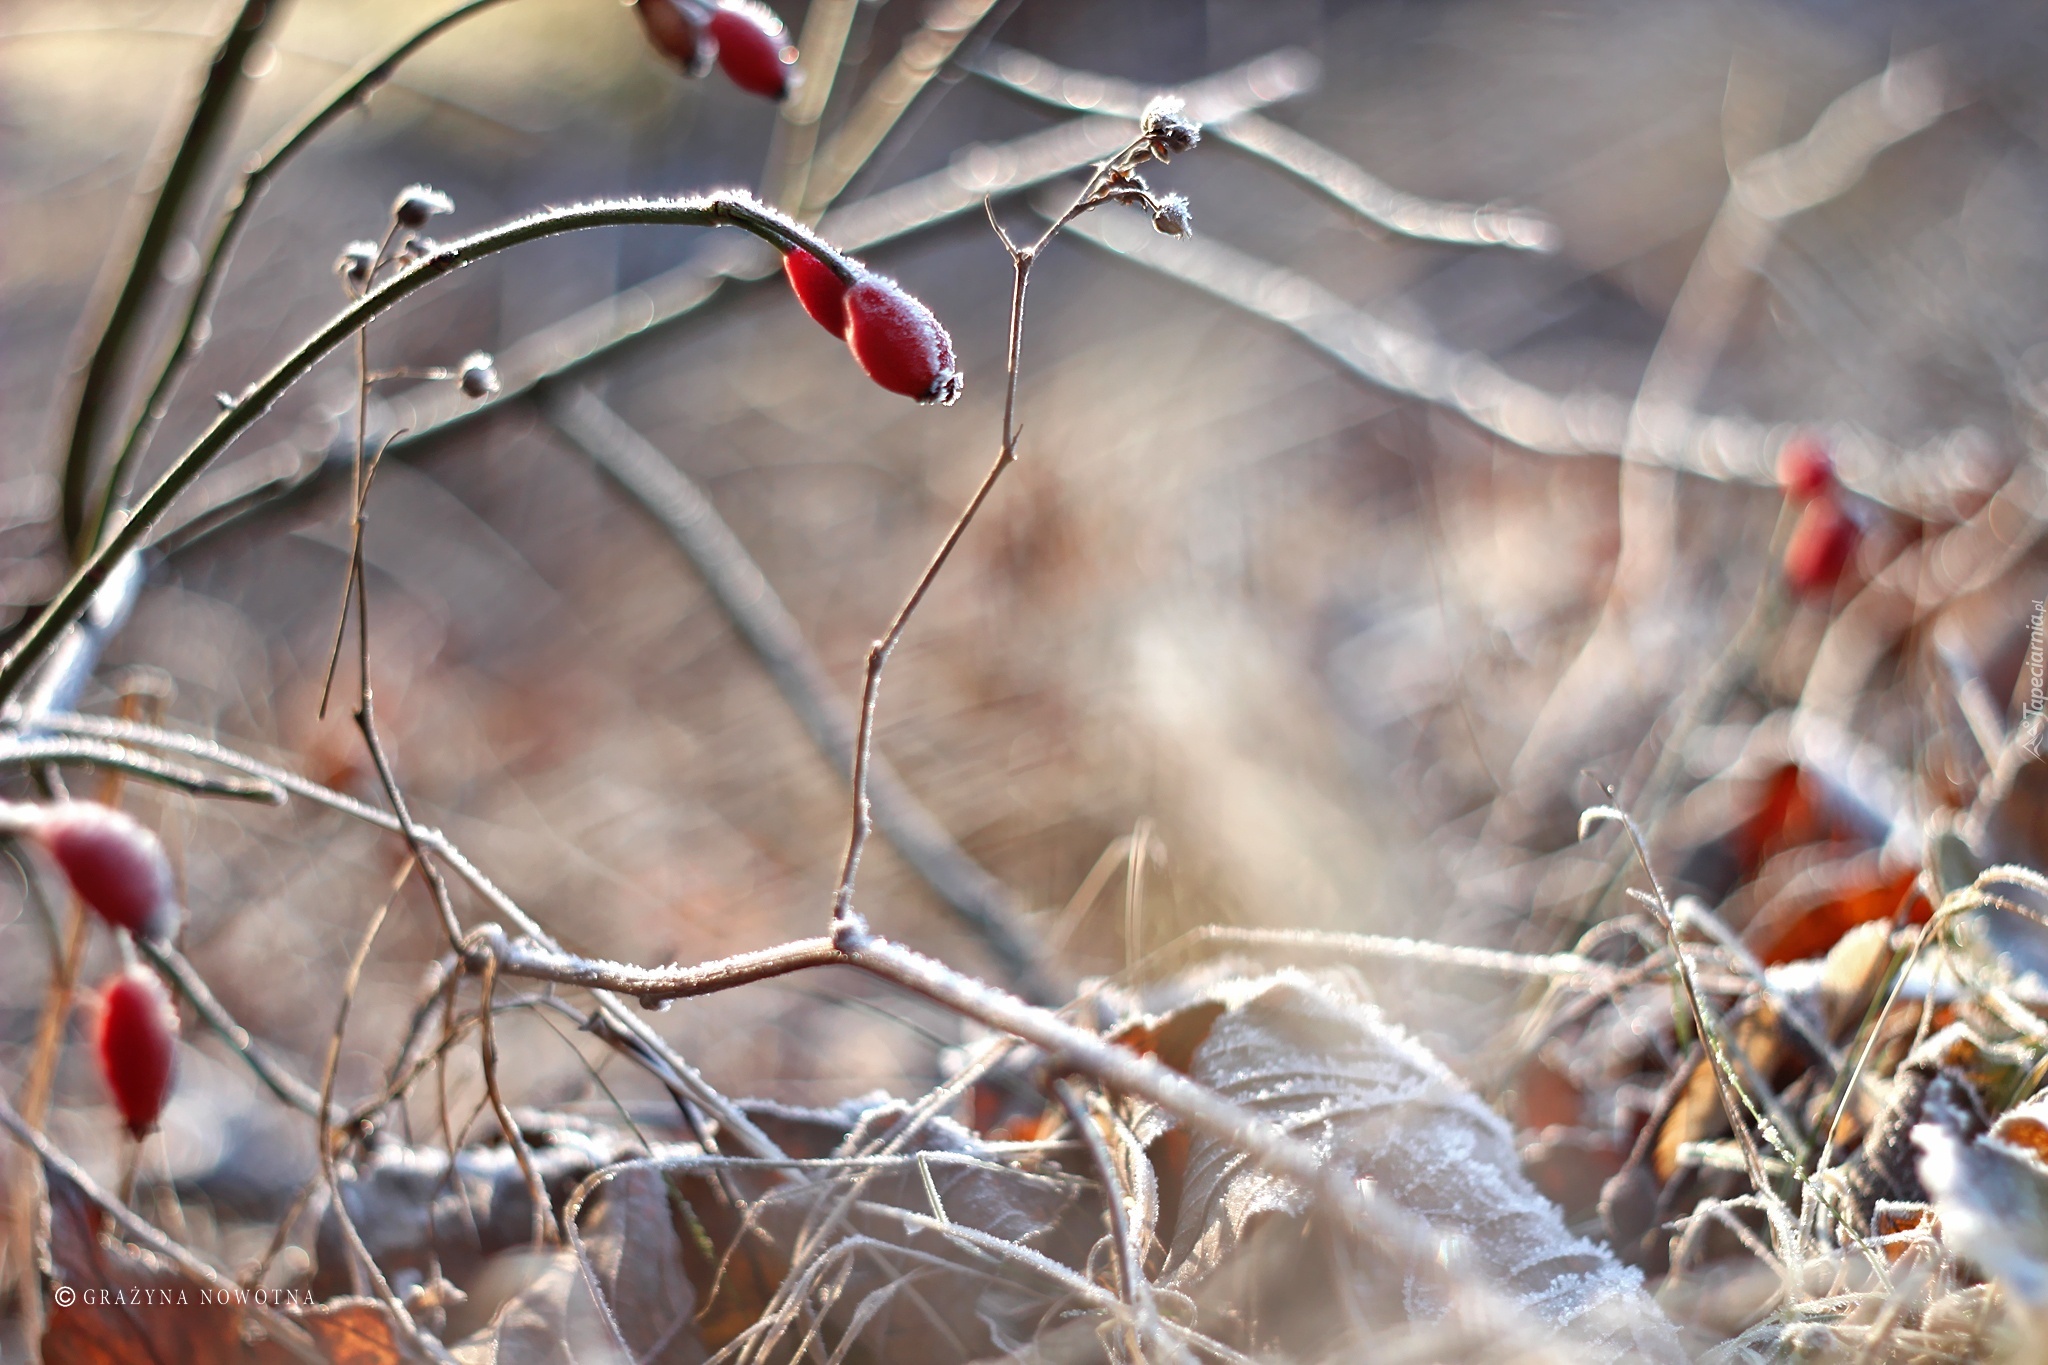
(1171, 216)
(417, 203)
(1167, 128)
(479, 377)
(355, 263)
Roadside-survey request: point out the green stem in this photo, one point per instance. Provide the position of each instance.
(350, 93)
(99, 403)
(735, 209)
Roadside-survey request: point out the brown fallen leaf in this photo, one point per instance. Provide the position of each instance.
(116, 1303)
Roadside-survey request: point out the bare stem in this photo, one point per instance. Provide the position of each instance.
(879, 652)
(719, 210)
(350, 93)
(99, 402)
(536, 1188)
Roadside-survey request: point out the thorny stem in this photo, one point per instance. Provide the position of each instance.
(733, 209)
(193, 332)
(98, 396)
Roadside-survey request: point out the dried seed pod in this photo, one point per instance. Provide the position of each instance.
(818, 289)
(355, 263)
(754, 48)
(680, 30)
(479, 377)
(1167, 127)
(1170, 215)
(1805, 470)
(417, 203)
(115, 865)
(136, 1042)
(899, 343)
(1821, 545)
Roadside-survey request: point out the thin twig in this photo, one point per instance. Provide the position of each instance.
(764, 624)
(288, 1334)
(274, 1077)
(537, 1190)
(579, 341)
(729, 210)
(352, 92)
(1092, 195)
(1130, 1274)
(100, 400)
(118, 758)
(1349, 184)
(923, 54)
(1584, 422)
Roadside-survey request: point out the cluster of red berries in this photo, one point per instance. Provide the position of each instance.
(119, 870)
(747, 40)
(1825, 537)
(892, 335)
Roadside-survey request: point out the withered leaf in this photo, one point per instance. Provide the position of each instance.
(129, 1306)
(1311, 1057)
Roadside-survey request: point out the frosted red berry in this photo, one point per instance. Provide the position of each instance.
(680, 30)
(136, 1042)
(899, 343)
(115, 865)
(1823, 541)
(1805, 470)
(818, 289)
(754, 48)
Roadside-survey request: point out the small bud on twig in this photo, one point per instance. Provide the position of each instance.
(479, 377)
(355, 263)
(417, 203)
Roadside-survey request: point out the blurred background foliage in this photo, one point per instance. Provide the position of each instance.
(1290, 628)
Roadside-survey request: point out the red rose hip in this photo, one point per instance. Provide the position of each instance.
(818, 289)
(136, 1041)
(115, 865)
(1805, 470)
(1822, 543)
(899, 343)
(754, 48)
(680, 30)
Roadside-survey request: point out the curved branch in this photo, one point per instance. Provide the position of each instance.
(350, 93)
(733, 209)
